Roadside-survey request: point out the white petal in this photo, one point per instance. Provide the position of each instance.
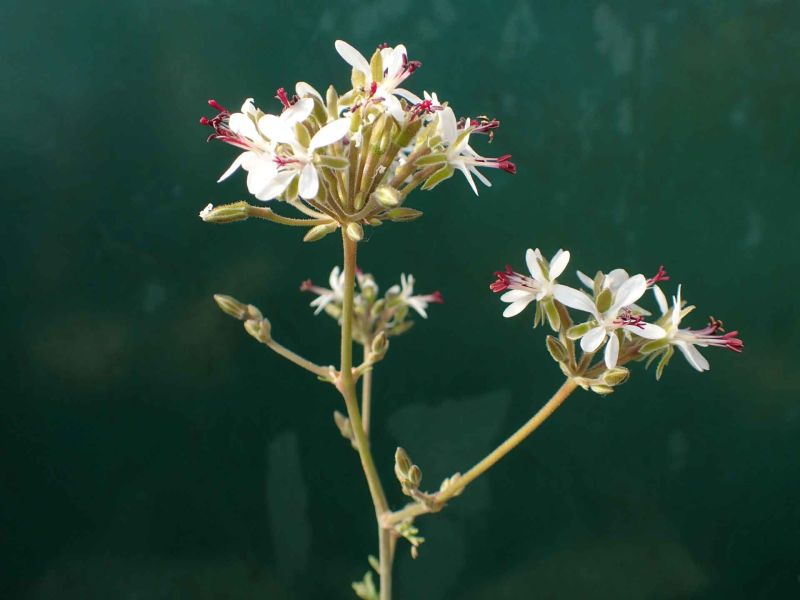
(242, 124)
(298, 111)
(463, 168)
(661, 299)
(481, 177)
(514, 295)
(393, 106)
(532, 260)
(276, 187)
(248, 107)
(612, 351)
(559, 263)
(234, 165)
(693, 356)
(649, 331)
(586, 280)
(410, 96)
(333, 278)
(593, 338)
(303, 89)
(331, 133)
(574, 299)
(418, 306)
(676, 310)
(352, 56)
(629, 292)
(260, 175)
(309, 182)
(447, 123)
(393, 63)
(276, 129)
(517, 307)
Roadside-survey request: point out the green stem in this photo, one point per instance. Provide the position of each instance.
(261, 212)
(299, 360)
(351, 401)
(457, 486)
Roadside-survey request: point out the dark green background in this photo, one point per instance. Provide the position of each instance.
(150, 449)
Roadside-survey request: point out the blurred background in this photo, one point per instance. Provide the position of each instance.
(151, 449)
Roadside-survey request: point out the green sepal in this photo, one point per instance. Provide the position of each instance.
(552, 314)
(431, 159)
(578, 331)
(446, 172)
(603, 300)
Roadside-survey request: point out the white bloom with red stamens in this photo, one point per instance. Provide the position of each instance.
(617, 316)
(326, 296)
(522, 290)
(396, 69)
(460, 154)
(686, 340)
(406, 293)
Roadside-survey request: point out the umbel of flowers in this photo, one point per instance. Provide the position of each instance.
(350, 160)
(607, 319)
(347, 160)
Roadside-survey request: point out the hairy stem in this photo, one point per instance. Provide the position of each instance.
(366, 394)
(457, 486)
(351, 401)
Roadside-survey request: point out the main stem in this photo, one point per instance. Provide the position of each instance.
(351, 401)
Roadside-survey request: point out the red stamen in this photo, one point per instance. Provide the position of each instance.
(660, 276)
(281, 95)
(502, 282)
(506, 165)
(436, 297)
(306, 285)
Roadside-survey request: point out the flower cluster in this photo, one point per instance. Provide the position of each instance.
(353, 158)
(375, 316)
(609, 319)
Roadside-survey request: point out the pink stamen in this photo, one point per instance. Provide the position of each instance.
(436, 297)
(281, 95)
(629, 319)
(502, 282)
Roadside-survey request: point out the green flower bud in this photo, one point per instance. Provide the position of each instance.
(616, 376)
(376, 66)
(231, 306)
(414, 476)
(556, 349)
(260, 329)
(403, 213)
(601, 389)
(227, 213)
(332, 100)
(402, 463)
(318, 232)
(380, 344)
(387, 196)
(355, 232)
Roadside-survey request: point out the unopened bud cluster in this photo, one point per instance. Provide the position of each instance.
(350, 159)
(608, 318)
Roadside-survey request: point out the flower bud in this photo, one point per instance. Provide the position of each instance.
(380, 344)
(414, 476)
(616, 376)
(355, 232)
(403, 213)
(376, 66)
(343, 424)
(402, 463)
(318, 232)
(387, 196)
(231, 306)
(332, 99)
(603, 390)
(227, 213)
(260, 329)
(556, 349)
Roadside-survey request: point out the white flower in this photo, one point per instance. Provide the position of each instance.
(406, 293)
(523, 290)
(686, 339)
(396, 69)
(461, 156)
(326, 296)
(617, 316)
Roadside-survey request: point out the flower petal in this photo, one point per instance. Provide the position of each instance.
(463, 168)
(593, 339)
(612, 351)
(276, 129)
(303, 89)
(232, 169)
(585, 280)
(447, 125)
(559, 263)
(410, 96)
(647, 331)
(661, 299)
(693, 356)
(352, 56)
(513, 309)
(277, 186)
(309, 182)
(298, 111)
(574, 299)
(260, 174)
(331, 133)
(243, 125)
(532, 260)
(514, 295)
(629, 292)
